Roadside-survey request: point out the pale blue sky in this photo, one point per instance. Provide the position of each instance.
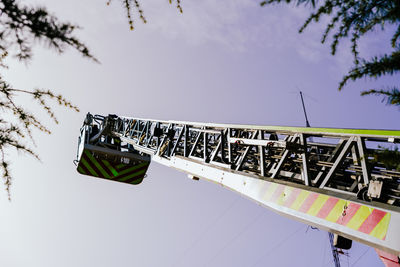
(221, 61)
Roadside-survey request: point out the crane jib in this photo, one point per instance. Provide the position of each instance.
(334, 179)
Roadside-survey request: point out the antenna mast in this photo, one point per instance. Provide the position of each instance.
(335, 253)
(304, 109)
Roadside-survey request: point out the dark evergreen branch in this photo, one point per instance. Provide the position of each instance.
(395, 38)
(387, 64)
(14, 135)
(331, 26)
(22, 25)
(354, 19)
(390, 96)
(129, 13)
(16, 132)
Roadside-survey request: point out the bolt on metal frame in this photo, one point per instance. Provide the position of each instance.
(329, 163)
(338, 162)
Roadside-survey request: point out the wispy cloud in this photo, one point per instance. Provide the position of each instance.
(203, 21)
(239, 25)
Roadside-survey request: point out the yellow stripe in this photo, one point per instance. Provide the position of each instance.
(285, 195)
(336, 212)
(362, 213)
(270, 191)
(380, 229)
(317, 205)
(300, 199)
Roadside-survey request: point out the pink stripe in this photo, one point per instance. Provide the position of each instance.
(308, 202)
(327, 207)
(349, 213)
(372, 220)
(292, 197)
(277, 193)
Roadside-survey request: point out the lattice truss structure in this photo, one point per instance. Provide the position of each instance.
(332, 160)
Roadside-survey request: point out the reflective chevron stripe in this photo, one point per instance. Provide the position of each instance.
(96, 163)
(127, 173)
(88, 167)
(133, 175)
(111, 168)
(358, 217)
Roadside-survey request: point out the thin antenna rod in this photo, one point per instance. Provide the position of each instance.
(304, 109)
(335, 252)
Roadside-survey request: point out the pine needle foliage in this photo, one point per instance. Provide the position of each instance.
(21, 27)
(353, 19)
(390, 96)
(131, 5)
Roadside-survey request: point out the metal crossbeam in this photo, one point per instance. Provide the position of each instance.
(339, 161)
(328, 178)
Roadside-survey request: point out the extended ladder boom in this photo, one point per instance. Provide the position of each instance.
(329, 178)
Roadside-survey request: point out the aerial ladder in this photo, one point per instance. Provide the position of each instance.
(328, 178)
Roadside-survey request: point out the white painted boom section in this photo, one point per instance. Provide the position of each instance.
(257, 189)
